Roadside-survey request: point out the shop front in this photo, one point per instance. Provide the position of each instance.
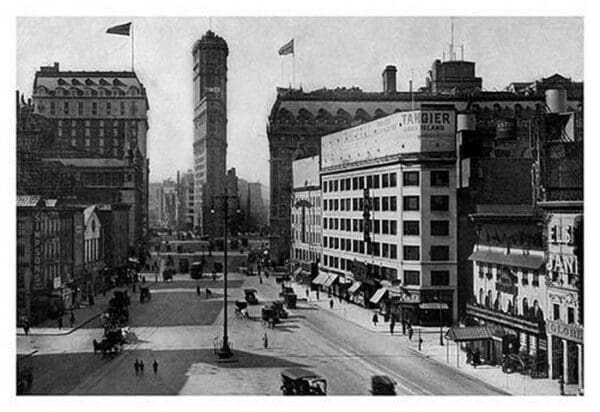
(565, 343)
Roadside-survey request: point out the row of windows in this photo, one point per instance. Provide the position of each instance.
(490, 271)
(81, 107)
(438, 178)
(305, 255)
(96, 123)
(438, 253)
(346, 264)
(384, 204)
(438, 277)
(386, 227)
(511, 305)
(309, 219)
(438, 203)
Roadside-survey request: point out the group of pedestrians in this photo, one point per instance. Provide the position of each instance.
(138, 365)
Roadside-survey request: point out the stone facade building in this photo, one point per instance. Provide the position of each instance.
(210, 130)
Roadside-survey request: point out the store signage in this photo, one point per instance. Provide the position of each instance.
(570, 332)
(562, 263)
(56, 282)
(561, 235)
(37, 251)
(506, 282)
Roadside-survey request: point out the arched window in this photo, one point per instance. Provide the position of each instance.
(93, 225)
(497, 302)
(525, 307)
(488, 300)
(480, 301)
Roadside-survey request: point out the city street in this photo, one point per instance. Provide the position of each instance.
(177, 329)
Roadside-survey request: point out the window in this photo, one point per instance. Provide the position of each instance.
(52, 108)
(355, 183)
(376, 204)
(108, 108)
(393, 205)
(376, 182)
(410, 178)
(440, 228)
(440, 253)
(440, 278)
(440, 178)
(80, 108)
(342, 185)
(385, 203)
(385, 250)
(385, 227)
(412, 277)
(385, 180)
(570, 316)
(411, 227)
(325, 187)
(392, 179)
(95, 109)
(525, 278)
(66, 107)
(361, 182)
(122, 108)
(410, 203)
(439, 203)
(369, 182)
(393, 227)
(393, 252)
(376, 226)
(411, 253)
(556, 311)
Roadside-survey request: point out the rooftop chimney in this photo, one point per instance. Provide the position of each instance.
(389, 79)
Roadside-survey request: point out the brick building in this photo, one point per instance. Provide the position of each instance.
(97, 122)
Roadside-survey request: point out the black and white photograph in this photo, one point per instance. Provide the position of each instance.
(276, 205)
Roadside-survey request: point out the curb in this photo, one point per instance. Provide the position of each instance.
(463, 374)
(64, 333)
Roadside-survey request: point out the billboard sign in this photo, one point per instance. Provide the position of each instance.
(417, 131)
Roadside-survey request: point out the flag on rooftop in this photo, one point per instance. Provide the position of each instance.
(122, 29)
(287, 48)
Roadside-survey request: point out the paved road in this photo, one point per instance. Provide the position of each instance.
(178, 331)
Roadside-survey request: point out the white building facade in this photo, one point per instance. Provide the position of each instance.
(389, 212)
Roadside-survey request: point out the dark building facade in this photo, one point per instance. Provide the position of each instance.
(210, 130)
(97, 136)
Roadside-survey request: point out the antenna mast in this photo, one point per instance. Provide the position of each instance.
(452, 55)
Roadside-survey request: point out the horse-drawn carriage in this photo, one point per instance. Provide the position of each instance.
(111, 344)
(145, 294)
(241, 309)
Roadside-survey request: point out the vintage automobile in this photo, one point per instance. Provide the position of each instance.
(241, 309)
(281, 312)
(145, 294)
(269, 314)
(196, 269)
(111, 344)
(382, 385)
(298, 381)
(251, 296)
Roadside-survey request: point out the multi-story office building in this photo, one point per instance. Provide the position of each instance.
(509, 284)
(186, 201)
(389, 211)
(306, 212)
(210, 130)
(99, 126)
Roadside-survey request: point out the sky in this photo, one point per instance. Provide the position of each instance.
(330, 52)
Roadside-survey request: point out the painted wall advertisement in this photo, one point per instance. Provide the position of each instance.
(37, 281)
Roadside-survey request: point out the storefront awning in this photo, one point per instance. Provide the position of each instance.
(470, 333)
(433, 306)
(521, 261)
(355, 287)
(322, 277)
(329, 281)
(297, 271)
(377, 296)
(344, 280)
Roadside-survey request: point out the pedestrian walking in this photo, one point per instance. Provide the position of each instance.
(72, 319)
(317, 294)
(265, 340)
(155, 366)
(420, 340)
(26, 326)
(392, 325)
(142, 367)
(331, 304)
(260, 279)
(198, 290)
(410, 332)
(136, 366)
(307, 293)
(375, 319)
(403, 326)
(60, 322)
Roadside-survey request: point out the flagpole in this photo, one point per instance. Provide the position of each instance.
(132, 41)
(294, 67)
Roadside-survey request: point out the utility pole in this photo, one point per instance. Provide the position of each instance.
(225, 350)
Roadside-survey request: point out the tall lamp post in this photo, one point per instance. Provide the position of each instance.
(225, 350)
(441, 324)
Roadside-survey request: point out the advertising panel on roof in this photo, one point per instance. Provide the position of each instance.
(417, 131)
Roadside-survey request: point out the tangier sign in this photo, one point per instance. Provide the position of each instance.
(417, 131)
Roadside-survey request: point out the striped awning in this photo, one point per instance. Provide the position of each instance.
(470, 333)
(322, 277)
(433, 306)
(355, 287)
(329, 281)
(377, 296)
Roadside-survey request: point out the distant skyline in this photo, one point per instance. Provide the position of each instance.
(330, 52)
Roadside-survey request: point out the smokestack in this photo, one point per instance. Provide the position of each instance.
(389, 79)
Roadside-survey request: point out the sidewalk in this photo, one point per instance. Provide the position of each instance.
(83, 315)
(514, 384)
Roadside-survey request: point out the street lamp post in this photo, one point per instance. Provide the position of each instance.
(225, 351)
(441, 324)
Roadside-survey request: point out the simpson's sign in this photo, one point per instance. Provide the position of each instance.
(417, 131)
